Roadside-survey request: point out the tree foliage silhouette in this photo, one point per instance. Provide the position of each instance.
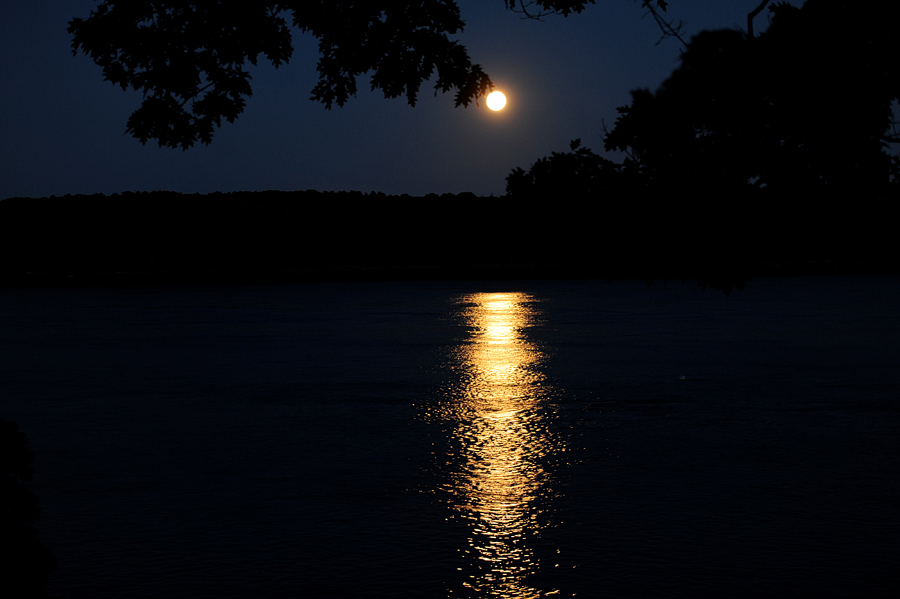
(24, 562)
(805, 105)
(771, 148)
(188, 57)
(577, 173)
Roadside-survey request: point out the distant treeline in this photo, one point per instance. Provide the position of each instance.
(162, 237)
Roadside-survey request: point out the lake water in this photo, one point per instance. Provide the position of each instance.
(454, 439)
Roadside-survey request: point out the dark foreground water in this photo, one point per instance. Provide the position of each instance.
(463, 439)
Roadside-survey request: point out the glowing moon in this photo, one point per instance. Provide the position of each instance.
(496, 100)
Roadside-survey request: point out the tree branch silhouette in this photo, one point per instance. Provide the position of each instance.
(752, 15)
(669, 28)
(187, 57)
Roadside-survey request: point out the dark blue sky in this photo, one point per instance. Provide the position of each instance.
(62, 126)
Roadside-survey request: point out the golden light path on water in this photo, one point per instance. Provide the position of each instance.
(500, 429)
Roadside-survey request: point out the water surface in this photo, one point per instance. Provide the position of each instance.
(462, 439)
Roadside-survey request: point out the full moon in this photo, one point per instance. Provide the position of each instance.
(496, 100)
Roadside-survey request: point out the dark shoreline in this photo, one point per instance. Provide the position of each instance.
(245, 238)
(365, 274)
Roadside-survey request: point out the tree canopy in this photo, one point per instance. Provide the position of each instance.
(188, 57)
(808, 104)
(778, 147)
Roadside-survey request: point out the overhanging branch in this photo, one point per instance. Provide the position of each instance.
(668, 28)
(752, 15)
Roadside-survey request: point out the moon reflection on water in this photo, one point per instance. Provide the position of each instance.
(501, 441)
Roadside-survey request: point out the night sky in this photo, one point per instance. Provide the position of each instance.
(62, 126)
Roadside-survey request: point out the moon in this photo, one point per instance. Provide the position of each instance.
(496, 101)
